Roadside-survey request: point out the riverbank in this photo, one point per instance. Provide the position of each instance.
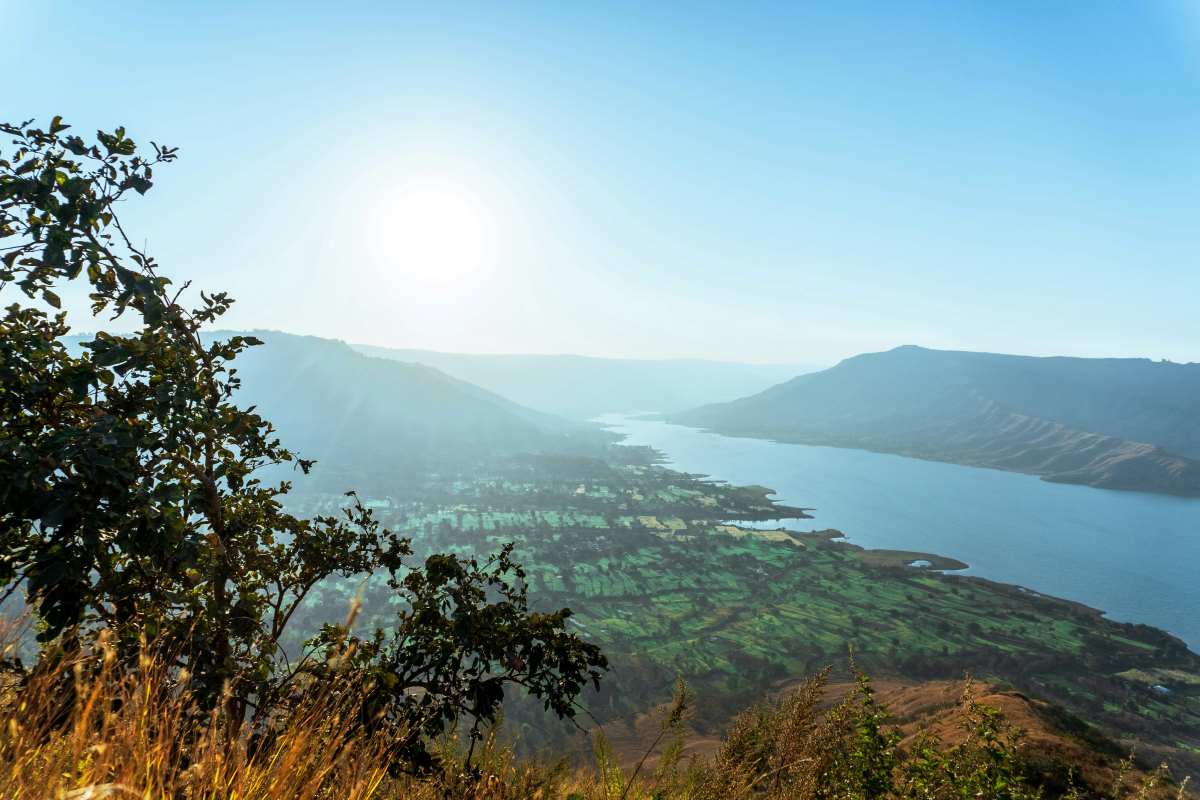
(1131, 554)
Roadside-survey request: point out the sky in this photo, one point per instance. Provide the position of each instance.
(770, 182)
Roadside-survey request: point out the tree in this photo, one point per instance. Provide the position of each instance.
(130, 490)
(466, 633)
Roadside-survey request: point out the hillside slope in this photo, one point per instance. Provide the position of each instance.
(582, 387)
(1114, 423)
(1053, 739)
(372, 415)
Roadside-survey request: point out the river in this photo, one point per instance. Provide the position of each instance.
(1134, 555)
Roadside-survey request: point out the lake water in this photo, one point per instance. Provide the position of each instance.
(1134, 555)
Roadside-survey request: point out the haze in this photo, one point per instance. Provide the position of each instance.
(759, 184)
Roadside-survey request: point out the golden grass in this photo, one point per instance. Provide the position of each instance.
(134, 733)
(86, 729)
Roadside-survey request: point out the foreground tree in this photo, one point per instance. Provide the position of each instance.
(130, 492)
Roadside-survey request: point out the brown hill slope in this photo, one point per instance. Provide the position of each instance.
(1060, 749)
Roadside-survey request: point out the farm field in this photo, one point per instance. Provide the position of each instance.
(659, 573)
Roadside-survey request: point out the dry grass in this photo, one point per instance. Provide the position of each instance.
(136, 734)
(85, 729)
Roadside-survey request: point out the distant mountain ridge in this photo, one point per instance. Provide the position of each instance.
(583, 387)
(1113, 423)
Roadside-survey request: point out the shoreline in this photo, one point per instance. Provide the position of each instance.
(1065, 478)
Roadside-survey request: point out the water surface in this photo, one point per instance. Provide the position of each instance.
(1134, 555)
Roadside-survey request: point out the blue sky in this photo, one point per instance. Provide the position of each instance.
(757, 181)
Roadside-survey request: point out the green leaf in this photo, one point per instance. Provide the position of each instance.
(51, 298)
(75, 145)
(137, 183)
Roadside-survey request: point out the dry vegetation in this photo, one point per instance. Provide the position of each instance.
(84, 728)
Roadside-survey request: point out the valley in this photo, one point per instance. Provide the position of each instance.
(582, 387)
(739, 590)
(674, 574)
(718, 581)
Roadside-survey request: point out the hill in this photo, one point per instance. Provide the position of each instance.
(352, 411)
(1054, 742)
(1113, 423)
(582, 387)
(363, 417)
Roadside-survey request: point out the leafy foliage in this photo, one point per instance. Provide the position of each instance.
(464, 635)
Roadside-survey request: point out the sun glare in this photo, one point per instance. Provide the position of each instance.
(436, 232)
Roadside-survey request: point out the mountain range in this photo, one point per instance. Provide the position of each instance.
(395, 413)
(1113, 423)
(583, 387)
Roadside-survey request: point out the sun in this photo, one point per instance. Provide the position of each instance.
(436, 232)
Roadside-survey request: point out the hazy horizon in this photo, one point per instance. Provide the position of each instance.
(768, 185)
(751, 361)
(811, 366)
